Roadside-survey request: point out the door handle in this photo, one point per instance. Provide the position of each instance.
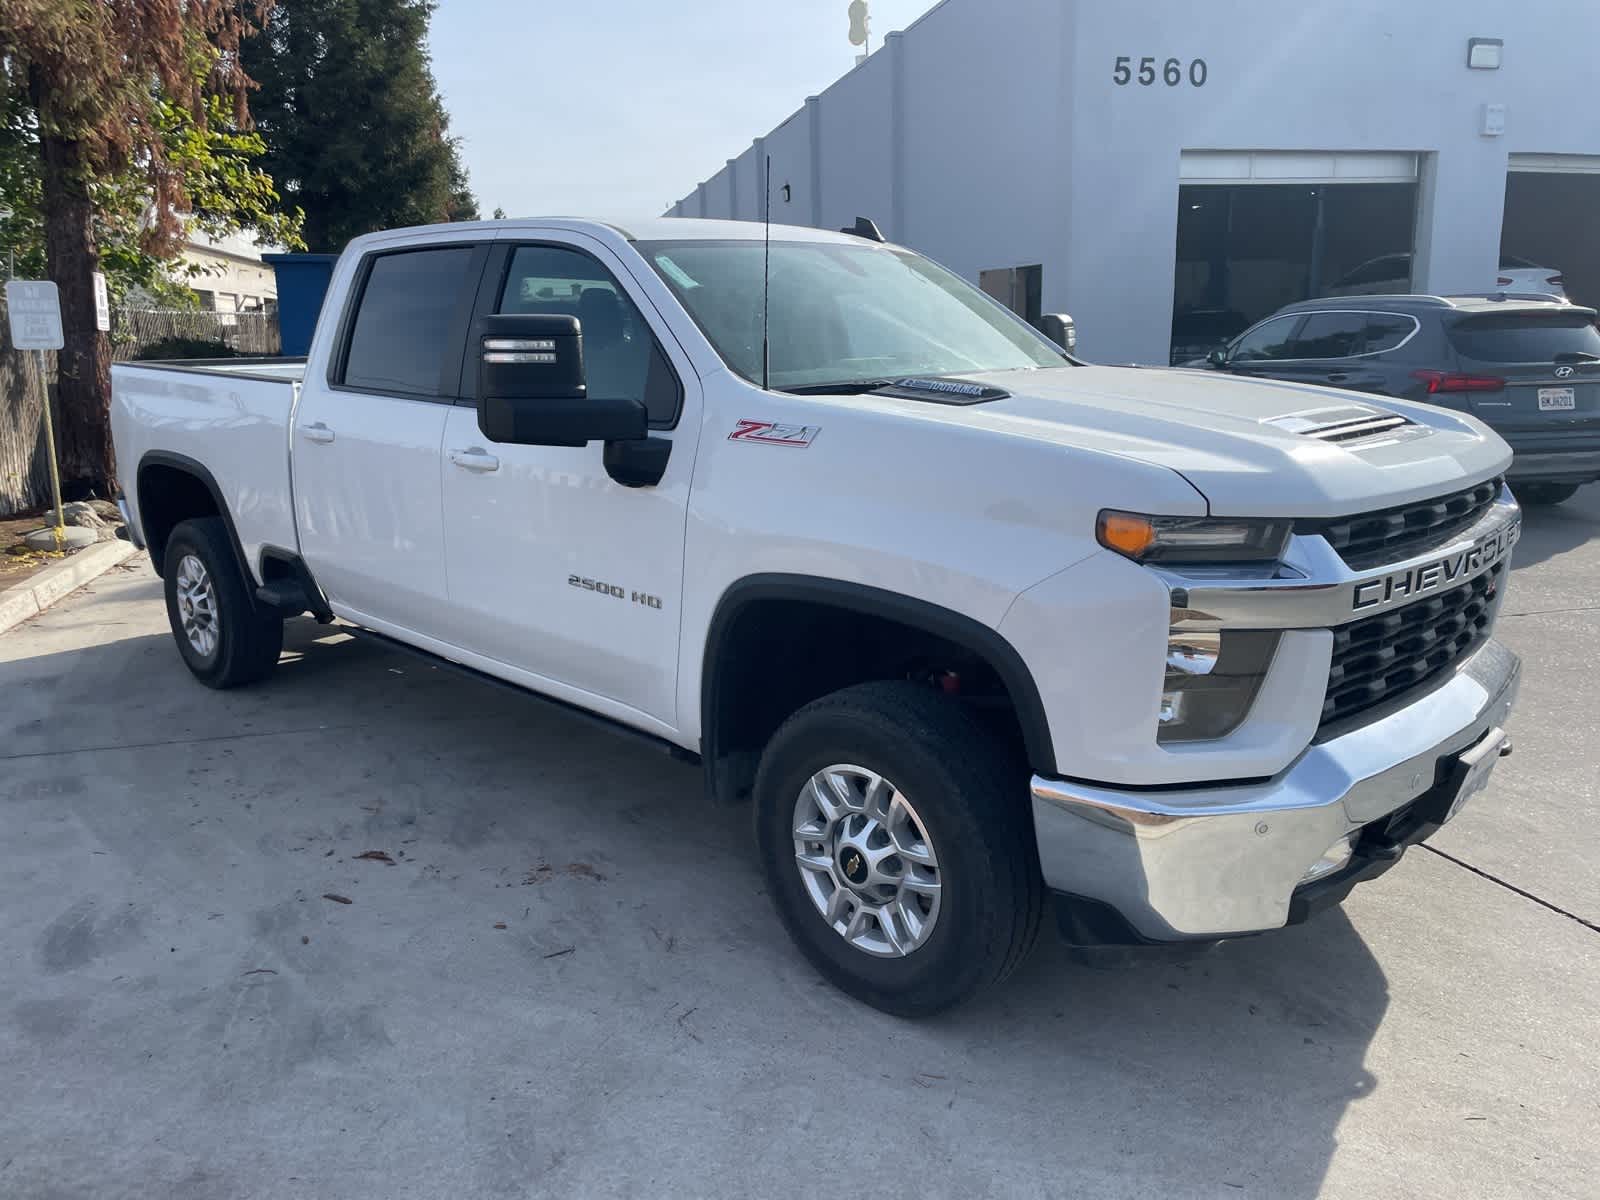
(475, 459)
(317, 432)
(1338, 377)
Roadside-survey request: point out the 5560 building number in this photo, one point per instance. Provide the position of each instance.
(1172, 72)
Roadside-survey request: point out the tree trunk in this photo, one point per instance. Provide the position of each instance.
(83, 395)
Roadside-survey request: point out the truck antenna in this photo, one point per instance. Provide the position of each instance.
(766, 286)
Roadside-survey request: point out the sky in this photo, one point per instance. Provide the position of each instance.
(619, 107)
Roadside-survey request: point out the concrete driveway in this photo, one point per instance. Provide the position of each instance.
(569, 982)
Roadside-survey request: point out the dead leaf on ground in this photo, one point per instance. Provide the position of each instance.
(499, 924)
(543, 872)
(336, 898)
(377, 856)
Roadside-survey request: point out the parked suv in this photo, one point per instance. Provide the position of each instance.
(1527, 366)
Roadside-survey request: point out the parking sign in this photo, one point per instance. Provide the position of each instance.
(35, 311)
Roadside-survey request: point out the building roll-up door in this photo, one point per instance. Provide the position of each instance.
(1551, 200)
(1258, 229)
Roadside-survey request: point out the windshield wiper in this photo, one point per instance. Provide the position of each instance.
(1577, 356)
(847, 387)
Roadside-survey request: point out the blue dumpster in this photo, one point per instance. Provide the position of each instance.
(302, 283)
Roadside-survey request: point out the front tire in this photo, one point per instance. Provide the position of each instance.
(1541, 494)
(897, 844)
(225, 638)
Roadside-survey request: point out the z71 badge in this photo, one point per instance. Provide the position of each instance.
(769, 433)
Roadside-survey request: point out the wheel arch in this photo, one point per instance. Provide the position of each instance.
(171, 488)
(723, 688)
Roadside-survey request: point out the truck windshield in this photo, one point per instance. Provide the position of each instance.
(842, 313)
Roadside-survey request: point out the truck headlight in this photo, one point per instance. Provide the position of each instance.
(1211, 682)
(1212, 540)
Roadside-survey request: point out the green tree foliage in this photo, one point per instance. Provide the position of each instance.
(228, 193)
(121, 119)
(356, 132)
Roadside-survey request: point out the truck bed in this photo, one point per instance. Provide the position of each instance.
(231, 417)
(272, 369)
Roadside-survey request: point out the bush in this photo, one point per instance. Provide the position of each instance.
(185, 347)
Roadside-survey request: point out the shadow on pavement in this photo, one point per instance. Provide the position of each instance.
(570, 925)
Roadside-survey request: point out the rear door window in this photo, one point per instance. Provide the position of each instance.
(1527, 338)
(404, 322)
(1329, 335)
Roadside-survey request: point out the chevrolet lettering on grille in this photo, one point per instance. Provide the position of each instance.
(1401, 586)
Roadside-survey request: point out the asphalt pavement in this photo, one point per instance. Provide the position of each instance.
(376, 930)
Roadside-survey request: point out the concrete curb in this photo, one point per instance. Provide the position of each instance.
(32, 597)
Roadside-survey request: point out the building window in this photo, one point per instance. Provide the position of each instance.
(1020, 289)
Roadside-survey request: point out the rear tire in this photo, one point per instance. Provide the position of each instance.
(957, 817)
(225, 638)
(1540, 494)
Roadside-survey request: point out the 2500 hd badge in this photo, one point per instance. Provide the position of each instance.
(1457, 568)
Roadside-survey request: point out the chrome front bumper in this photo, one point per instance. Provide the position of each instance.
(1209, 862)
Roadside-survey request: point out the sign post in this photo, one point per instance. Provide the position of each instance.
(34, 309)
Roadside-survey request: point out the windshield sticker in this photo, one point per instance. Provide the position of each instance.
(769, 433)
(678, 275)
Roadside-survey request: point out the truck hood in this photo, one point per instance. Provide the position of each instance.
(1251, 447)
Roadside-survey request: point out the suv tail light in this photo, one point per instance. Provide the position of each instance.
(1504, 281)
(1558, 280)
(1441, 381)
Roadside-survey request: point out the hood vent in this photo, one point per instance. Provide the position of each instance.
(1349, 424)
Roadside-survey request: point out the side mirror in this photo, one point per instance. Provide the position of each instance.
(1218, 358)
(1059, 328)
(531, 389)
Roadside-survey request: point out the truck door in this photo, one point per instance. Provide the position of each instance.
(367, 433)
(554, 569)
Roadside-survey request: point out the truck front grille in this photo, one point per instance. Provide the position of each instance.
(1390, 535)
(1380, 658)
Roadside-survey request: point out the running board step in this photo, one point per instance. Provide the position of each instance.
(286, 595)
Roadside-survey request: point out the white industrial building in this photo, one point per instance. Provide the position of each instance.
(1167, 170)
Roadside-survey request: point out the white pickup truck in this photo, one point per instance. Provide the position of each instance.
(973, 625)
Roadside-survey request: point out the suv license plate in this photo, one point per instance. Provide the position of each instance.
(1557, 399)
(1478, 762)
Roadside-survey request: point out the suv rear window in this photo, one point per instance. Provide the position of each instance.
(1526, 337)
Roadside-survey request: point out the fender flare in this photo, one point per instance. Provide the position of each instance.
(189, 466)
(966, 632)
